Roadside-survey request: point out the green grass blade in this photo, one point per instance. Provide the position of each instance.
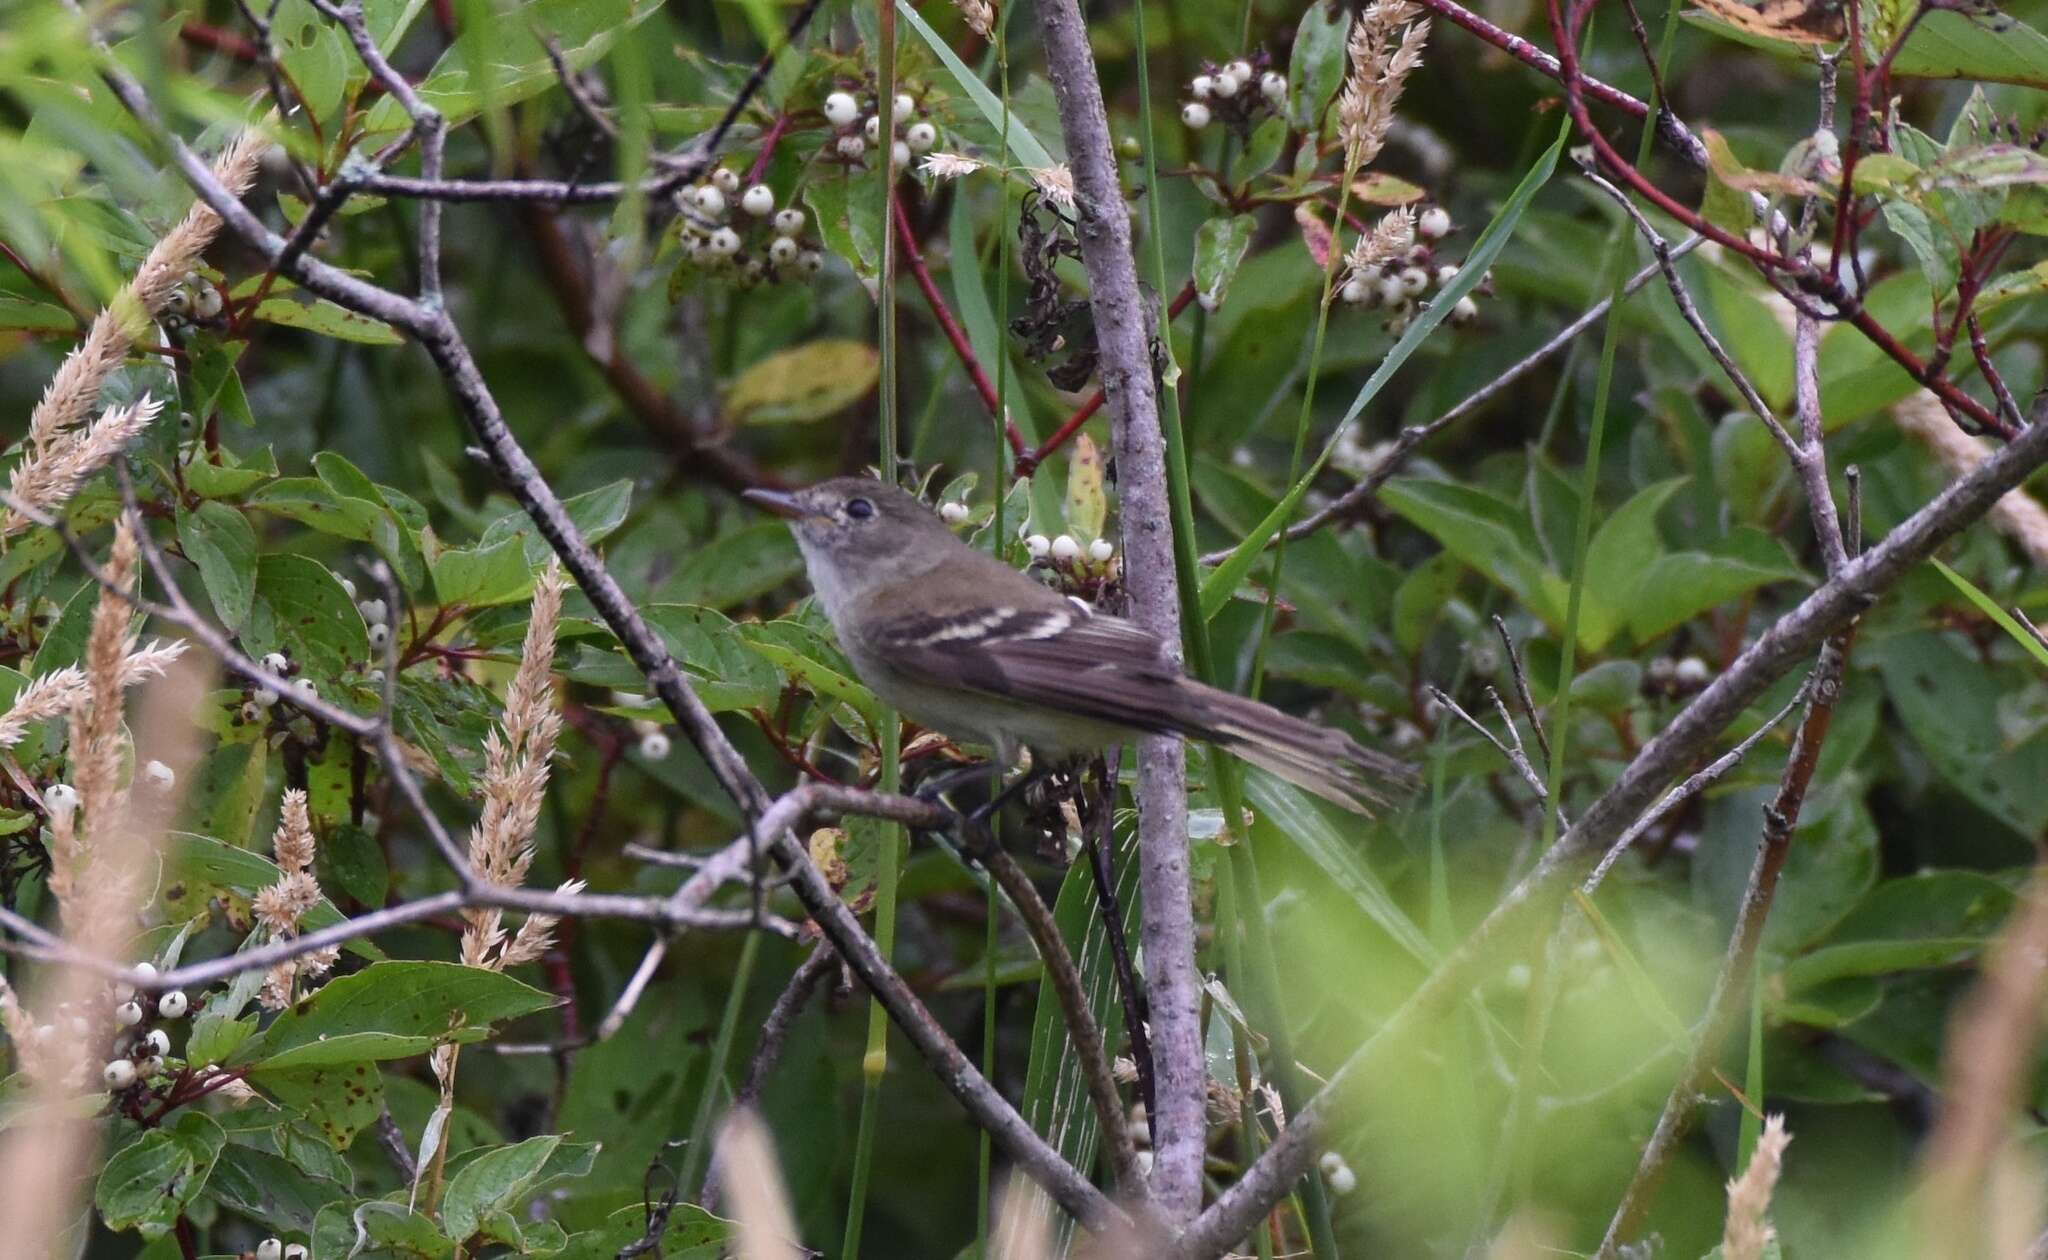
(1025, 145)
(1990, 609)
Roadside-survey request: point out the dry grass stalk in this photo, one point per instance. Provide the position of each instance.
(1985, 1069)
(1385, 47)
(281, 906)
(58, 447)
(49, 1148)
(1023, 1227)
(1749, 1196)
(753, 1186)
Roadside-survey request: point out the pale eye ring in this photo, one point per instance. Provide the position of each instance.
(860, 509)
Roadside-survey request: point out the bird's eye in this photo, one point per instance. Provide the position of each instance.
(860, 509)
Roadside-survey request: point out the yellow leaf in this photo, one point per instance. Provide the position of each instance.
(806, 382)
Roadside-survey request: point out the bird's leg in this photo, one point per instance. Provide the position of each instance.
(1039, 771)
(935, 788)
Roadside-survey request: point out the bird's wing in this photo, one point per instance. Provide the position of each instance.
(1060, 656)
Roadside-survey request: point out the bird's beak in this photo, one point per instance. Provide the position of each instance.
(780, 502)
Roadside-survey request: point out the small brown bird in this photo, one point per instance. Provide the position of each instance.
(967, 645)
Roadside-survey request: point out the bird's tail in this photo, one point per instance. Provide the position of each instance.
(1325, 761)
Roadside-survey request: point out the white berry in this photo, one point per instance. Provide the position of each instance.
(1101, 550)
(1433, 224)
(1202, 85)
(380, 634)
(952, 512)
(1240, 70)
(1414, 280)
(270, 1249)
(852, 146)
(812, 261)
(158, 1041)
(294, 1251)
(173, 1004)
(1273, 85)
(374, 611)
(841, 108)
(872, 129)
(1692, 672)
(60, 798)
(263, 697)
(1465, 311)
(119, 1074)
(899, 154)
(1227, 85)
(710, 200)
(1343, 1181)
(1037, 545)
(1065, 548)
(1446, 273)
(1392, 291)
(207, 303)
(922, 136)
(654, 746)
(904, 105)
(1330, 1162)
(789, 221)
(725, 242)
(128, 1014)
(782, 251)
(1355, 291)
(277, 662)
(250, 712)
(1195, 114)
(758, 201)
(727, 179)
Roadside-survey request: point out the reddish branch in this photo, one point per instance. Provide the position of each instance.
(951, 327)
(1817, 283)
(220, 40)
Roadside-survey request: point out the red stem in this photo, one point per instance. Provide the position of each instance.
(769, 139)
(1028, 464)
(217, 39)
(951, 327)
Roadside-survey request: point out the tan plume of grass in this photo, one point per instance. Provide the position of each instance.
(1749, 1196)
(1390, 239)
(980, 16)
(1023, 1228)
(50, 1144)
(2017, 514)
(515, 783)
(281, 906)
(1385, 47)
(754, 1188)
(1985, 1069)
(1527, 1237)
(60, 451)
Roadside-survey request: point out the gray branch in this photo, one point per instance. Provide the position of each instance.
(1123, 330)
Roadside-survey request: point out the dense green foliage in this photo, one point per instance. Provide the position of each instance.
(652, 367)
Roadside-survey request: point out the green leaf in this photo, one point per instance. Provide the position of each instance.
(285, 1194)
(218, 539)
(1625, 545)
(1678, 586)
(378, 1229)
(1220, 246)
(1933, 919)
(1490, 534)
(1316, 64)
(1949, 702)
(495, 1181)
(1087, 505)
(1024, 146)
(848, 212)
(302, 610)
(339, 1100)
(725, 672)
(391, 1010)
(596, 514)
(198, 868)
(816, 676)
(1953, 45)
(1292, 817)
(215, 383)
(328, 320)
(1263, 147)
(480, 577)
(734, 568)
(1222, 583)
(498, 63)
(1422, 595)
(813, 381)
(215, 1036)
(148, 1183)
(690, 1234)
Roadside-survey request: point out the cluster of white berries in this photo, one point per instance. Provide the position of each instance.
(1337, 1174)
(278, 1249)
(1676, 677)
(138, 1052)
(654, 742)
(377, 617)
(1399, 283)
(1067, 551)
(193, 300)
(712, 236)
(1227, 92)
(262, 699)
(856, 130)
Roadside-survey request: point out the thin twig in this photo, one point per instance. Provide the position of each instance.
(1521, 677)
